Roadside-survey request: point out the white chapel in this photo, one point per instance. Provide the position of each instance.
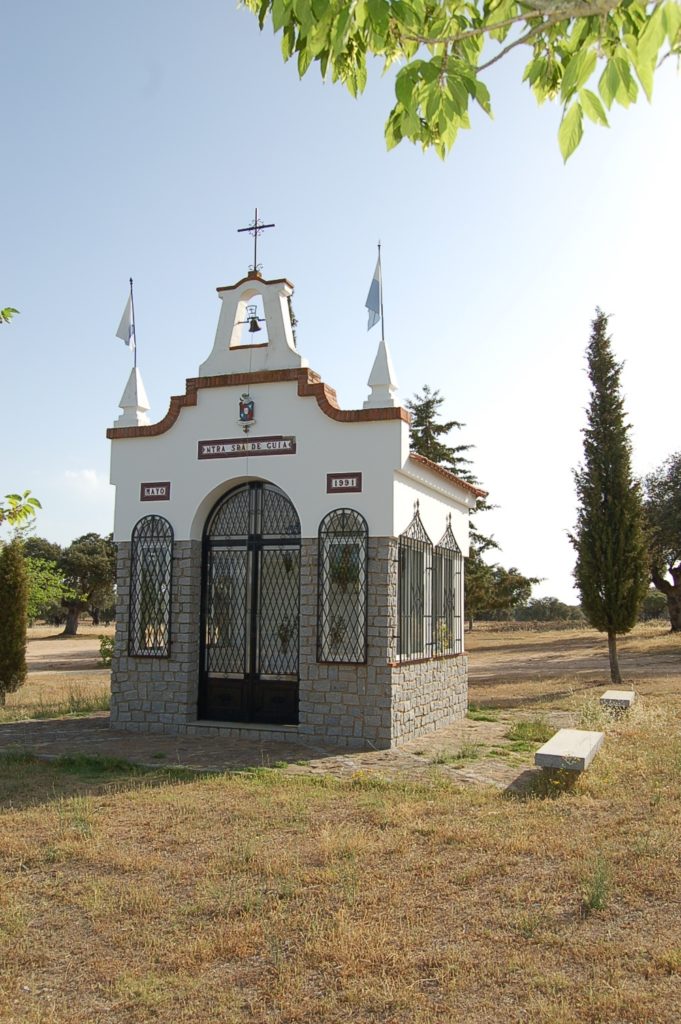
(286, 568)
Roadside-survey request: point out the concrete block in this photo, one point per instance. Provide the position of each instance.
(572, 750)
(618, 699)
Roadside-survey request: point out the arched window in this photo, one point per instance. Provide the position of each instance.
(414, 591)
(150, 588)
(447, 594)
(342, 611)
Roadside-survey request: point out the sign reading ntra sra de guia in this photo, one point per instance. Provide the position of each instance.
(233, 447)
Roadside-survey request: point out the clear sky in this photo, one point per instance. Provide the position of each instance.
(137, 137)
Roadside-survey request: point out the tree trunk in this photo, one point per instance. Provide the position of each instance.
(2, 698)
(674, 606)
(71, 627)
(94, 612)
(672, 591)
(615, 675)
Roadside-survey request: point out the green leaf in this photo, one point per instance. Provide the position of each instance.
(592, 107)
(671, 13)
(288, 42)
(304, 59)
(393, 132)
(570, 131)
(482, 97)
(280, 13)
(628, 90)
(405, 84)
(379, 11)
(578, 71)
(609, 83)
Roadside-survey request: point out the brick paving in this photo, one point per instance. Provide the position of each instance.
(418, 760)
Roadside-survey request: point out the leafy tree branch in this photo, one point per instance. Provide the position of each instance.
(614, 46)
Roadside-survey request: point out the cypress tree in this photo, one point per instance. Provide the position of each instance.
(13, 608)
(611, 569)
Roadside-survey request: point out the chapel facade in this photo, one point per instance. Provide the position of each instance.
(286, 569)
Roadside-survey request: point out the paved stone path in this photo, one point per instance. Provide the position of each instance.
(419, 759)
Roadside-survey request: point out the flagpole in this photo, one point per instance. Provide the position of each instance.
(380, 288)
(132, 310)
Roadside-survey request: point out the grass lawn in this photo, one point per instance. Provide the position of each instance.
(130, 896)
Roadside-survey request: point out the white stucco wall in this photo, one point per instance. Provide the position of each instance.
(323, 446)
(437, 498)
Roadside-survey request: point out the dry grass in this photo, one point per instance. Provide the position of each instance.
(552, 669)
(129, 897)
(132, 897)
(55, 694)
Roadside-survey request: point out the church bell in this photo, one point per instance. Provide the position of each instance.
(254, 325)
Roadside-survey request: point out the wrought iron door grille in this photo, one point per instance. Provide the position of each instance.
(251, 607)
(278, 612)
(447, 595)
(342, 594)
(279, 518)
(226, 634)
(150, 588)
(232, 518)
(414, 592)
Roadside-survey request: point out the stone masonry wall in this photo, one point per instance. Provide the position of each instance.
(348, 705)
(159, 694)
(428, 695)
(374, 705)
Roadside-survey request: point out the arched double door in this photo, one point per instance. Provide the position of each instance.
(251, 608)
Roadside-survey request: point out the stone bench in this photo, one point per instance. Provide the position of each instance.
(571, 750)
(618, 700)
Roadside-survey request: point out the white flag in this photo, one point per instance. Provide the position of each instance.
(373, 302)
(126, 328)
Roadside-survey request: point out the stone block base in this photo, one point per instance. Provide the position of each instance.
(570, 750)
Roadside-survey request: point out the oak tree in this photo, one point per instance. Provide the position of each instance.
(662, 508)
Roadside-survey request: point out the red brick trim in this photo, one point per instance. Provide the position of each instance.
(441, 471)
(310, 385)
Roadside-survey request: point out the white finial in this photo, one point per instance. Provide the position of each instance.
(134, 403)
(382, 381)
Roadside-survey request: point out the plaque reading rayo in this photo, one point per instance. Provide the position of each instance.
(236, 447)
(343, 482)
(156, 491)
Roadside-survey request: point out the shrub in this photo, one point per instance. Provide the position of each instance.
(106, 647)
(13, 618)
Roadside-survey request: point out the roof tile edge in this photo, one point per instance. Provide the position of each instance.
(441, 471)
(310, 384)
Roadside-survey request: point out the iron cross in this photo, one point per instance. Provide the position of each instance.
(255, 229)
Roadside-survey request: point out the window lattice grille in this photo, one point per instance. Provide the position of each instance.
(414, 591)
(447, 595)
(150, 588)
(342, 611)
